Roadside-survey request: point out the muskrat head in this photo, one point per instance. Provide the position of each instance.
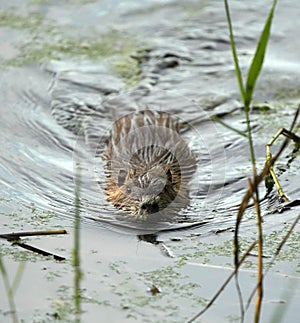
(146, 191)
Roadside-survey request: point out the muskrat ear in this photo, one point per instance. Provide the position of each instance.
(121, 177)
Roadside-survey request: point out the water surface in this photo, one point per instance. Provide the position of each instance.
(179, 57)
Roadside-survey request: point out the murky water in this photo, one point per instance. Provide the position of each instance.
(57, 114)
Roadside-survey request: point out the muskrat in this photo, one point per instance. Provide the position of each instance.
(149, 165)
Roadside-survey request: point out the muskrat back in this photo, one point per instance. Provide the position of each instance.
(149, 165)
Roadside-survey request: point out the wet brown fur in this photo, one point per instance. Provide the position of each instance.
(149, 165)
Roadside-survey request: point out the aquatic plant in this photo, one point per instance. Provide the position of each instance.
(246, 92)
(10, 288)
(76, 246)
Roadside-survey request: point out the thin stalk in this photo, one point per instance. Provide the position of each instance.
(76, 250)
(246, 94)
(9, 293)
(255, 196)
(259, 253)
(278, 250)
(251, 146)
(241, 210)
(267, 167)
(18, 276)
(220, 290)
(217, 119)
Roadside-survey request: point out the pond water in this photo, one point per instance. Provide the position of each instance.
(68, 71)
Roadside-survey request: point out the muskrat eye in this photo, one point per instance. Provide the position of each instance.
(169, 175)
(128, 190)
(121, 177)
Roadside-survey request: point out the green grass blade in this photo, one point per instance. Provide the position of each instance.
(258, 58)
(234, 53)
(224, 124)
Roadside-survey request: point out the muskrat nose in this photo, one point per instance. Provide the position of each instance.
(150, 206)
